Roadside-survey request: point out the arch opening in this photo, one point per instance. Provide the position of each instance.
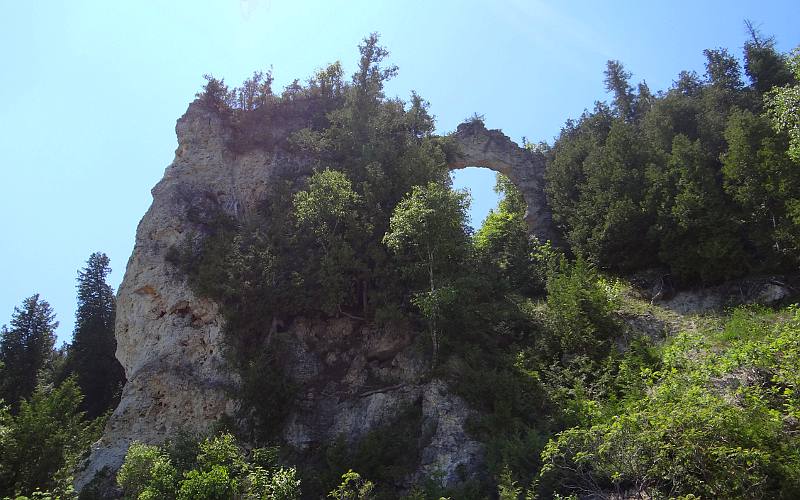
(475, 146)
(481, 182)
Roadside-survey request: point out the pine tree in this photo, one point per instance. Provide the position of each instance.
(766, 67)
(25, 348)
(617, 83)
(92, 358)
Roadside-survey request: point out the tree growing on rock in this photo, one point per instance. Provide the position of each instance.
(329, 223)
(428, 232)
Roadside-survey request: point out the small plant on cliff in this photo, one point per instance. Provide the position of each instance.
(353, 487)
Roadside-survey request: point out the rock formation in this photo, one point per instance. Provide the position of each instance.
(479, 147)
(354, 378)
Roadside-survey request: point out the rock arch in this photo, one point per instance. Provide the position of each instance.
(479, 147)
(170, 341)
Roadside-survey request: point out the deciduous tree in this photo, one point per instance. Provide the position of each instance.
(428, 230)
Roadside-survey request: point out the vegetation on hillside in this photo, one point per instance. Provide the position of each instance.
(699, 181)
(54, 402)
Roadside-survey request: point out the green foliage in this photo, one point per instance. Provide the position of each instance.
(352, 487)
(765, 66)
(213, 483)
(504, 241)
(617, 83)
(279, 484)
(580, 309)
(220, 470)
(147, 473)
(266, 394)
(41, 444)
(691, 218)
(25, 348)
(507, 488)
(764, 181)
(638, 184)
(783, 103)
(387, 454)
(710, 422)
(221, 450)
(91, 356)
(428, 233)
(428, 229)
(329, 221)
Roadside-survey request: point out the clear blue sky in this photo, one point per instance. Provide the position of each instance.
(91, 91)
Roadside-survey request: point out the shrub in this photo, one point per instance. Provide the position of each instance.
(580, 309)
(352, 487)
(147, 473)
(220, 470)
(212, 484)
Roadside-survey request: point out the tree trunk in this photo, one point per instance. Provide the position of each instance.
(434, 311)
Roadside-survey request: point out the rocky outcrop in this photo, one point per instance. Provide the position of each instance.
(479, 147)
(358, 378)
(170, 341)
(766, 290)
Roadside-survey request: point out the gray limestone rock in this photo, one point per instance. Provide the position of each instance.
(479, 147)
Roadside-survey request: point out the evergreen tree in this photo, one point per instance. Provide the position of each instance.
(25, 348)
(617, 83)
(763, 180)
(764, 65)
(722, 69)
(92, 359)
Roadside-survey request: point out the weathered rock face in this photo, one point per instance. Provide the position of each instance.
(170, 342)
(359, 378)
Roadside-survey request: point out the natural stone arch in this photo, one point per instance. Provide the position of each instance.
(479, 147)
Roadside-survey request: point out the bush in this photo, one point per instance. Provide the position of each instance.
(147, 473)
(711, 422)
(352, 487)
(220, 470)
(212, 484)
(580, 310)
(281, 484)
(41, 444)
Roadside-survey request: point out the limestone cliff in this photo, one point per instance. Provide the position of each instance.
(353, 378)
